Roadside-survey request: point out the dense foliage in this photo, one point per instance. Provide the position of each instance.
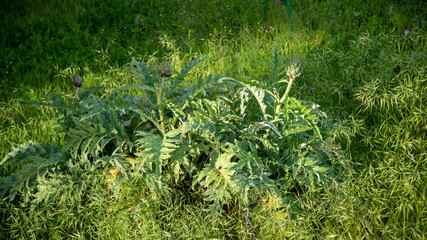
(222, 137)
(363, 63)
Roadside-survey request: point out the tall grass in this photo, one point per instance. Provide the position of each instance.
(363, 69)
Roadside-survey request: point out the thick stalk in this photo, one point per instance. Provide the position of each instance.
(159, 93)
(77, 93)
(284, 97)
(162, 119)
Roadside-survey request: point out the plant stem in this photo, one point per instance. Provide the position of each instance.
(159, 95)
(162, 119)
(287, 91)
(77, 93)
(282, 100)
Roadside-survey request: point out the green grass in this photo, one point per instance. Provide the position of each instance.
(364, 71)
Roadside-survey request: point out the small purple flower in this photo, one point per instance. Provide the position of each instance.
(406, 32)
(311, 90)
(137, 23)
(277, 1)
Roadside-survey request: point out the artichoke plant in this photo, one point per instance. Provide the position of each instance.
(165, 69)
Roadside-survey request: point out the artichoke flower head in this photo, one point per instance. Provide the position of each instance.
(165, 69)
(77, 81)
(293, 71)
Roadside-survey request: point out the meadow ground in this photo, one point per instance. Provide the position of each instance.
(364, 63)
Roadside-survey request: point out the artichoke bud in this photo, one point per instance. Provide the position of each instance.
(294, 70)
(77, 81)
(165, 69)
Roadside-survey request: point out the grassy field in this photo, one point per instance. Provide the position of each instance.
(359, 64)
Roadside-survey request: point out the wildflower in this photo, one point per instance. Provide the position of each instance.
(406, 32)
(311, 90)
(277, 1)
(136, 23)
(77, 81)
(165, 69)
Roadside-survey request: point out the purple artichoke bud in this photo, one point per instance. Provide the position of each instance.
(77, 80)
(294, 70)
(165, 69)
